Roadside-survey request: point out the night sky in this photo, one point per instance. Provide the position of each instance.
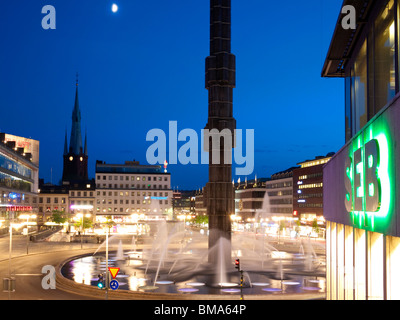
(144, 66)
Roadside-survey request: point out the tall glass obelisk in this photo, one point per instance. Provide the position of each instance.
(220, 82)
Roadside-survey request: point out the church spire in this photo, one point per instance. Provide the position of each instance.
(85, 150)
(66, 143)
(75, 158)
(75, 146)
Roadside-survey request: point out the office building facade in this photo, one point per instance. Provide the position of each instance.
(19, 180)
(307, 190)
(280, 193)
(131, 192)
(361, 197)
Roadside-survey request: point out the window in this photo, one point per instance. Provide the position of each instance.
(371, 80)
(359, 90)
(385, 83)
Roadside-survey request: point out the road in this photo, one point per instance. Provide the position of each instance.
(27, 268)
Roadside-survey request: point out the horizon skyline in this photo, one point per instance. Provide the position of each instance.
(126, 92)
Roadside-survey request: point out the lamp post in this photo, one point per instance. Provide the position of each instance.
(27, 217)
(81, 207)
(107, 263)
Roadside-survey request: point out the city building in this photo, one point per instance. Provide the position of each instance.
(51, 198)
(361, 197)
(307, 190)
(249, 199)
(200, 208)
(280, 196)
(19, 180)
(82, 197)
(132, 192)
(183, 203)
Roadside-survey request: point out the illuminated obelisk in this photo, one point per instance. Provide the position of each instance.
(220, 82)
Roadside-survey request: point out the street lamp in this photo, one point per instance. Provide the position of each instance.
(80, 215)
(27, 216)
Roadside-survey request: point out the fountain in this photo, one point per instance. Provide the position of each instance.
(172, 260)
(188, 262)
(120, 252)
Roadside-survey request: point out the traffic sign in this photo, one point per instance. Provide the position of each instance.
(113, 271)
(114, 284)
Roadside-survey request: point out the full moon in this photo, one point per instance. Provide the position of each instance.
(114, 8)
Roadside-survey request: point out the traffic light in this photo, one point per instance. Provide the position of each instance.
(237, 264)
(100, 283)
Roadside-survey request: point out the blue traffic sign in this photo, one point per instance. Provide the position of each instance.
(114, 284)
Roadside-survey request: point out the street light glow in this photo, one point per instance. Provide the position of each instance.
(81, 207)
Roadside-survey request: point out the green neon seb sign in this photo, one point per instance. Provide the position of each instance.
(367, 180)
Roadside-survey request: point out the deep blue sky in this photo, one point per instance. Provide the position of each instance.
(145, 66)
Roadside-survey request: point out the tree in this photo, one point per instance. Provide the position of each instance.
(87, 224)
(109, 223)
(297, 228)
(59, 217)
(315, 226)
(200, 220)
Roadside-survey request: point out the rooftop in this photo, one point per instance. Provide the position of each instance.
(128, 167)
(344, 41)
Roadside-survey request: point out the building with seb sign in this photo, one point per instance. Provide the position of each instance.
(361, 195)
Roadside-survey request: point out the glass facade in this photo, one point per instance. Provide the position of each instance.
(10, 182)
(372, 78)
(10, 165)
(14, 175)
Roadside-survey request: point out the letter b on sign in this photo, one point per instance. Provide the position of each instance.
(49, 21)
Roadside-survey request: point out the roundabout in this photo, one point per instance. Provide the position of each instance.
(177, 270)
